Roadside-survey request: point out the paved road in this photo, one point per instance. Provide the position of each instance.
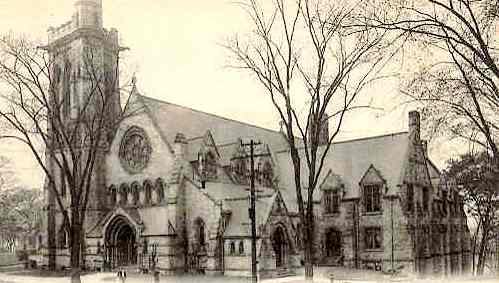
(321, 277)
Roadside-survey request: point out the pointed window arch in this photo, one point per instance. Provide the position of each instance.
(241, 247)
(372, 184)
(200, 230)
(124, 194)
(267, 174)
(232, 248)
(148, 192)
(113, 195)
(135, 193)
(160, 189)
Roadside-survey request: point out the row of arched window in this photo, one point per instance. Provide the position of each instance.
(137, 194)
(232, 248)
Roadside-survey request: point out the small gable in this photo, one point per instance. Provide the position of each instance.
(372, 176)
(332, 181)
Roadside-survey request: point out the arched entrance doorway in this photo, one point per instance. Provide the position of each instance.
(199, 256)
(121, 243)
(333, 243)
(279, 244)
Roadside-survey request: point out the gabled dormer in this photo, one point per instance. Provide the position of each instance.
(208, 159)
(333, 190)
(372, 188)
(265, 167)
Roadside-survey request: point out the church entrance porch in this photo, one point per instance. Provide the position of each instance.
(332, 252)
(279, 245)
(121, 243)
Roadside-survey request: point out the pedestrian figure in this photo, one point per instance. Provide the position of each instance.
(122, 275)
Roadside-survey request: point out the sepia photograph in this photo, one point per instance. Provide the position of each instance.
(245, 141)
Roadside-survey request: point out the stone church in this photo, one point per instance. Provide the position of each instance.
(171, 192)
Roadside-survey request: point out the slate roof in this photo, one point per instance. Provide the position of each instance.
(239, 225)
(350, 160)
(226, 191)
(172, 119)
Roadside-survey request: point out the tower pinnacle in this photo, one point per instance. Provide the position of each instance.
(88, 13)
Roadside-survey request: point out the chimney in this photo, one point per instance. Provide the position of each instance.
(322, 127)
(180, 146)
(414, 124)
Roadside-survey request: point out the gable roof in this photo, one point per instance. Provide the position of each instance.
(350, 160)
(172, 119)
(239, 223)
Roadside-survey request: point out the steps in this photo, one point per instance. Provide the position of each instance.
(284, 272)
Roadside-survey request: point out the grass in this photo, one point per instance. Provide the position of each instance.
(7, 259)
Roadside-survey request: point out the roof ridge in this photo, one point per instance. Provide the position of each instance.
(372, 137)
(210, 114)
(353, 140)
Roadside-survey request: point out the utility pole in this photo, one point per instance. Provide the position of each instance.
(252, 211)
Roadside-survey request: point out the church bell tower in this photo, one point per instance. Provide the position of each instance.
(83, 60)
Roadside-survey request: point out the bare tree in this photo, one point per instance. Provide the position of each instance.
(305, 58)
(455, 76)
(477, 178)
(67, 134)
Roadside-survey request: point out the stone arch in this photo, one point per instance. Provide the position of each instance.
(332, 242)
(135, 193)
(200, 232)
(267, 172)
(281, 245)
(160, 190)
(148, 187)
(232, 247)
(113, 197)
(121, 242)
(123, 192)
(241, 247)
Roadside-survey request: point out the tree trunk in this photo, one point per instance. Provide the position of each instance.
(309, 247)
(482, 253)
(75, 246)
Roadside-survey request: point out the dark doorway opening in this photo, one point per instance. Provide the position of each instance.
(279, 245)
(333, 243)
(121, 244)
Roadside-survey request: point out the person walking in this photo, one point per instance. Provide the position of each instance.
(122, 275)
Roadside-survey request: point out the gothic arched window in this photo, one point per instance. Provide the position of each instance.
(232, 248)
(135, 193)
(332, 201)
(160, 189)
(267, 174)
(123, 194)
(241, 247)
(113, 198)
(210, 166)
(148, 192)
(200, 231)
(66, 98)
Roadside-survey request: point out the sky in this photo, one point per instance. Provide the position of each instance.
(176, 54)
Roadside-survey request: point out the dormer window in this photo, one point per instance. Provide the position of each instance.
(239, 169)
(372, 184)
(207, 166)
(372, 198)
(332, 201)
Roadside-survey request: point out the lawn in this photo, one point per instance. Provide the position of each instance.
(7, 259)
